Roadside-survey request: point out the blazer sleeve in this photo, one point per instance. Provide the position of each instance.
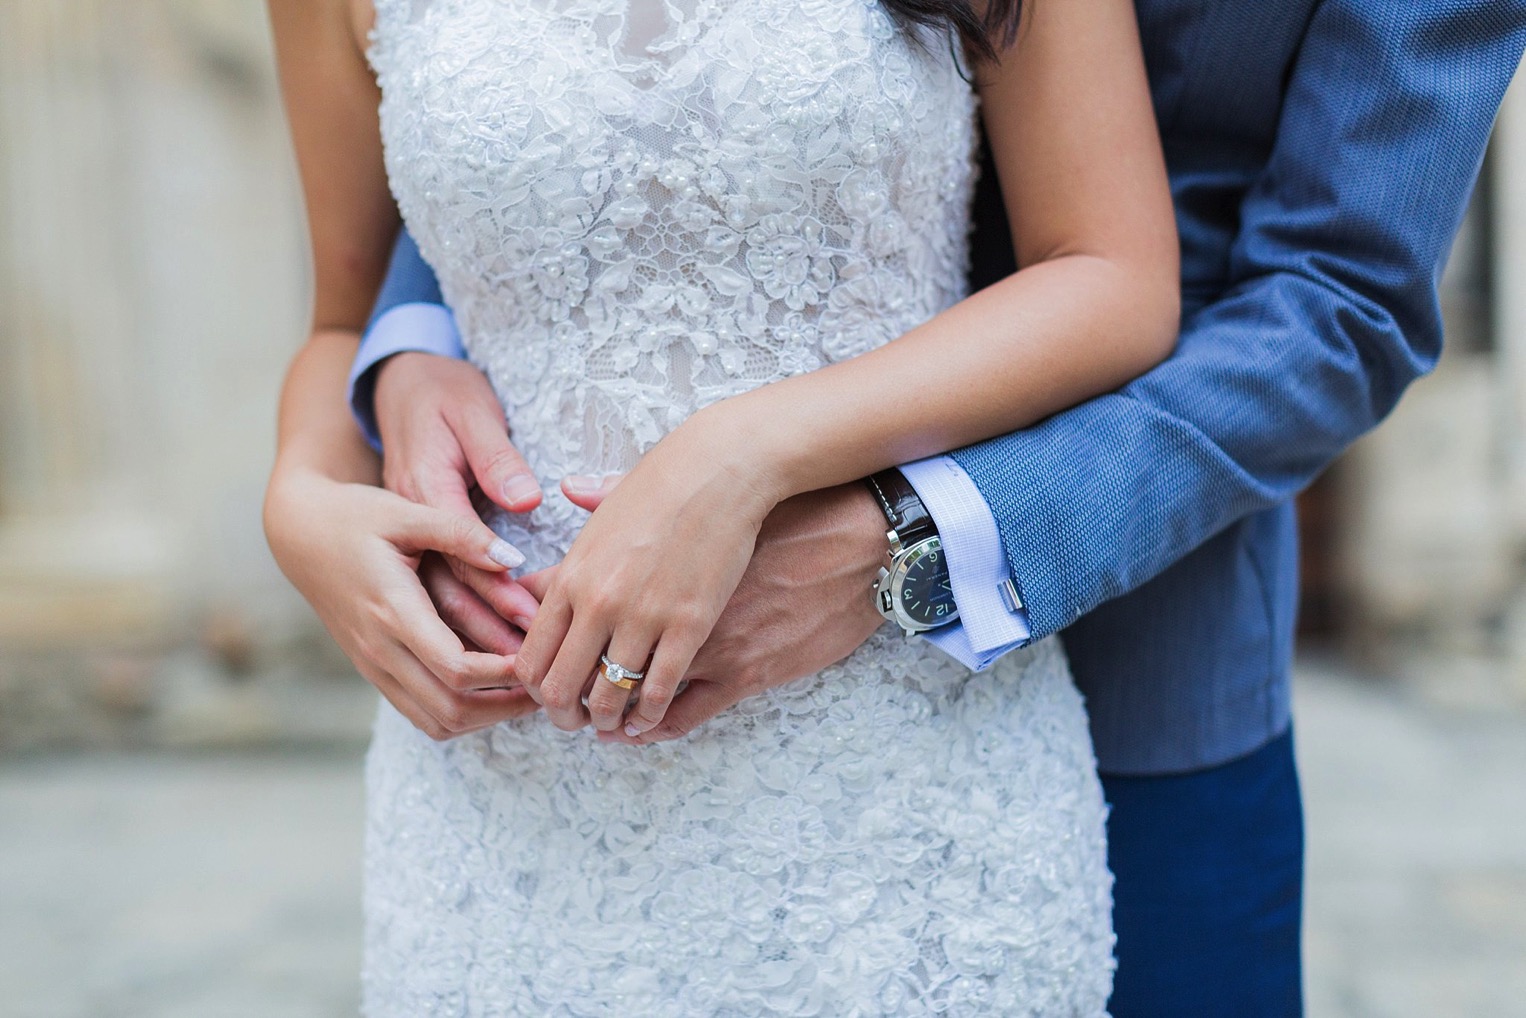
(1331, 311)
(409, 316)
(409, 280)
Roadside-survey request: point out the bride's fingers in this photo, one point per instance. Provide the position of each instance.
(606, 704)
(541, 642)
(695, 703)
(405, 703)
(607, 701)
(691, 708)
(421, 529)
(562, 691)
(454, 711)
(464, 610)
(670, 662)
(426, 637)
(460, 669)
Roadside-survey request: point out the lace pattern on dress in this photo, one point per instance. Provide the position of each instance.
(636, 209)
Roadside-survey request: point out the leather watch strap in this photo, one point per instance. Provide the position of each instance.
(902, 506)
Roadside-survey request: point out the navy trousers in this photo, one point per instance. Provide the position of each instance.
(1209, 898)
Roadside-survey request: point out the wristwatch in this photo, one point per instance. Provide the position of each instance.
(914, 590)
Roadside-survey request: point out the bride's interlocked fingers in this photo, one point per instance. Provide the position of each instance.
(801, 606)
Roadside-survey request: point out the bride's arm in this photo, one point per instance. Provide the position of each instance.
(351, 548)
(1094, 304)
(1068, 117)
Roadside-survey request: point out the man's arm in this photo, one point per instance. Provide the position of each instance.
(1331, 312)
(410, 316)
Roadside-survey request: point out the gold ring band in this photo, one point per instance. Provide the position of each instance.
(620, 676)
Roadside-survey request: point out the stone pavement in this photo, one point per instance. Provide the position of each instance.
(217, 886)
(1416, 809)
(179, 887)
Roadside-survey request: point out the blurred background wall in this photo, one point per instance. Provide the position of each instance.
(153, 284)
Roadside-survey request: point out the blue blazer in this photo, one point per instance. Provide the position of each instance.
(1321, 154)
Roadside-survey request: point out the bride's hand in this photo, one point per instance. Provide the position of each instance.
(648, 576)
(353, 551)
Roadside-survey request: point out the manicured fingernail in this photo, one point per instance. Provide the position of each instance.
(632, 731)
(519, 488)
(505, 554)
(580, 484)
(522, 622)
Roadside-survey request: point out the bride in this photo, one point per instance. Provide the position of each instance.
(718, 246)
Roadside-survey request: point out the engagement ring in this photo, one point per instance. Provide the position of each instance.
(623, 677)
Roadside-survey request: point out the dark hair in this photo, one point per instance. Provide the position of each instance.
(984, 35)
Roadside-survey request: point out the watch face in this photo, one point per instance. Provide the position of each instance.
(923, 594)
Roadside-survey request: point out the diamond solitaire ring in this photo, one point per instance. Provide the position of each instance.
(623, 677)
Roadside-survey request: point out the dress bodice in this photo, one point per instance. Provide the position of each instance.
(638, 207)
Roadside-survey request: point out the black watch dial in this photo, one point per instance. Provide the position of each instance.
(924, 593)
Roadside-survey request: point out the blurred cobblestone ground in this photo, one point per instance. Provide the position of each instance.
(216, 886)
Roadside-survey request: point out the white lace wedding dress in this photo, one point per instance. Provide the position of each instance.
(634, 215)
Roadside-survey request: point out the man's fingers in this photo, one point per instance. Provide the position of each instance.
(508, 597)
(589, 492)
(539, 582)
(464, 610)
(501, 472)
(446, 490)
(698, 703)
(465, 537)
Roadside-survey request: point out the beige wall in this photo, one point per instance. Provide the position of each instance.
(152, 285)
(1434, 514)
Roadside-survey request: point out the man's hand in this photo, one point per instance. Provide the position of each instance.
(443, 432)
(803, 603)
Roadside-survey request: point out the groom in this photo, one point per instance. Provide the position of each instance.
(1321, 153)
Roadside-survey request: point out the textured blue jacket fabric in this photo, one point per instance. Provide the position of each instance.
(1321, 153)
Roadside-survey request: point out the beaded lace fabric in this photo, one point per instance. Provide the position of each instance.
(636, 211)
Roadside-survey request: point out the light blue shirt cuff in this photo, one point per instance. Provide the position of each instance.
(988, 627)
(406, 328)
